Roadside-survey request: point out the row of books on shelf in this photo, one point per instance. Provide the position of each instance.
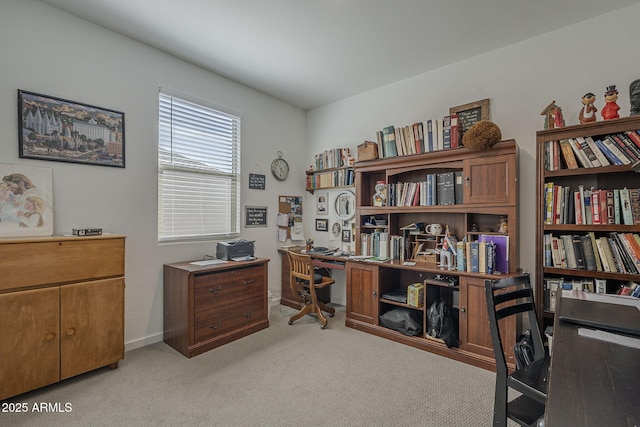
(331, 159)
(437, 189)
(564, 205)
(488, 254)
(587, 152)
(336, 178)
(613, 252)
(421, 137)
(553, 285)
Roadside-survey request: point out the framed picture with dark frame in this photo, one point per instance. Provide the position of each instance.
(470, 114)
(57, 129)
(322, 224)
(346, 235)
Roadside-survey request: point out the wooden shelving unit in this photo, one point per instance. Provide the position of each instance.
(489, 183)
(608, 177)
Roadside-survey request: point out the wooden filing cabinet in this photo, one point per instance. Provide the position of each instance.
(61, 309)
(208, 306)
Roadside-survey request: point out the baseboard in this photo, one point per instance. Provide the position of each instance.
(143, 342)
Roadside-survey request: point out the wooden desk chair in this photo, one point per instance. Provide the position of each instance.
(304, 283)
(509, 297)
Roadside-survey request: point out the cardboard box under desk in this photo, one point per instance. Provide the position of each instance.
(415, 295)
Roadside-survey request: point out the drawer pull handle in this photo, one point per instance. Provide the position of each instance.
(215, 325)
(248, 282)
(50, 336)
(248, 315)
(215, 291)
(71, 331)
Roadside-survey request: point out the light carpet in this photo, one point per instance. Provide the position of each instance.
(285, 375)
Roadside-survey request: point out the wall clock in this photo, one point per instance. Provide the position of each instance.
(280, 167)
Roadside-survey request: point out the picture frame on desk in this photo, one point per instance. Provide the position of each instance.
(470, 114)
(322, 224)
(57, 129)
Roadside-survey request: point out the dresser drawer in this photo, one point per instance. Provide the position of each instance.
(233, 316)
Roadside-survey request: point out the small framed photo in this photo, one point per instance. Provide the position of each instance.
(57, 129)
(346, 235)
(470, 114)
(322, 203)
(322, 224)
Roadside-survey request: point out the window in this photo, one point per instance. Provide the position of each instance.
(198, 172)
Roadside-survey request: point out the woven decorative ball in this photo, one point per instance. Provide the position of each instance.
(482, 136)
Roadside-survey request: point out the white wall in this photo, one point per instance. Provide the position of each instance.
(520, 80)
(51, 52)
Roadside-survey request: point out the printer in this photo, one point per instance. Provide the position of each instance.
(234, 249)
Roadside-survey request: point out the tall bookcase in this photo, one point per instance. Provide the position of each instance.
(489, 194)
(555, 219)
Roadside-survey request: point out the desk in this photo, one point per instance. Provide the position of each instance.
(324, 294)
(592, 382)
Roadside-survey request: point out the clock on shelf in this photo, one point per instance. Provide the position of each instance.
(280, 167)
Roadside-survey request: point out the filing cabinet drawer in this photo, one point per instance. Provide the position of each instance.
(212, 323)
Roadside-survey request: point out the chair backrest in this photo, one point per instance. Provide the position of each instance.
(509, 297)
(300, 268)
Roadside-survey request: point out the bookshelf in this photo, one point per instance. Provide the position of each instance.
(488, 186)
(331, 169)
(579, 208)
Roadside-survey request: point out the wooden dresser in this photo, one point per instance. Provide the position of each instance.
(61, 308)
(208, 306)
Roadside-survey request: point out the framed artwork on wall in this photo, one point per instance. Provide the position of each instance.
(322, 224)
(322, 203)
(57, 129)
(26, 203)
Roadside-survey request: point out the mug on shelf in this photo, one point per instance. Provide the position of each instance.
(433, 229)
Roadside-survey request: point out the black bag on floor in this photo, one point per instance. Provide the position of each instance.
(524, 350)
(442, 322)
(404, 320)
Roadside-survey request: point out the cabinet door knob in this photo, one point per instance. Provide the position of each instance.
(215, 291)
(375, 294)
(71, 331)
(467, 180)
(50, 336)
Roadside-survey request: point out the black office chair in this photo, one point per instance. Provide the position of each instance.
(509, 297)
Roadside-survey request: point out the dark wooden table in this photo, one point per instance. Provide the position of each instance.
(592, 382)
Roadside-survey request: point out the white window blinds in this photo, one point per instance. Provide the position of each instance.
(198, 172)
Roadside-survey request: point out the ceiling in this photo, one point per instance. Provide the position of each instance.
(312, 52)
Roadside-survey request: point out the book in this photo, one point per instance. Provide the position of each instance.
(570, 253)
(625, 207)
(501, 255)
(601, 286)
(474, 253)
(446, 132)
(596, 150)
(608, 254)
(429, 142)
(618, 150)
(622, 138)
(455, 131)
(389, 141)
(579, 252)
(613, 147)
(446, 188)
(602, 255)
(568, 155)
(461, 261)
(613, 159)
(588, 253)
(582, 158)
(592, 239)
(634, 200)
(586, 148)
(555, 253)
(458, 188)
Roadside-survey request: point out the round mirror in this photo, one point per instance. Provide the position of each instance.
(345, 205)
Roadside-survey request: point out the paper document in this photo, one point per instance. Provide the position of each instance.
(209, 262)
